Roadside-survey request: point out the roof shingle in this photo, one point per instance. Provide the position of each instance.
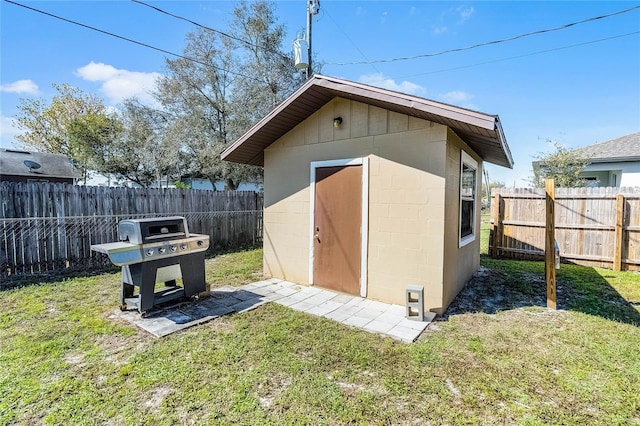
(624, 148)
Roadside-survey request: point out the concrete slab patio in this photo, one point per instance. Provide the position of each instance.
(369, 315)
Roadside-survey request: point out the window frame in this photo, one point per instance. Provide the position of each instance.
(469, 162)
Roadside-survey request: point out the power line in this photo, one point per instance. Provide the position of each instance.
(475, 46)
(350, 40)
(232, 37)
(518, 56)
(139, 43)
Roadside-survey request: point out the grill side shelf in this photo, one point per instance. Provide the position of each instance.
(120, 253)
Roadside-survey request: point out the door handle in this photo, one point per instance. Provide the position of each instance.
(317, 237)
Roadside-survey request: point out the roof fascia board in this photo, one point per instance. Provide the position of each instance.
(277, 110)
(614, 159)
(502, 138)
(431, 107)
(39, 175)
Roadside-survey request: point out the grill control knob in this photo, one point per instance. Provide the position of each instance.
(162, 250)
(150, 252)
(173, 248)
(183, 246)
(200, 242)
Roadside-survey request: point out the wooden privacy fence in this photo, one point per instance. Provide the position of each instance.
(49, 228)
(593, 226)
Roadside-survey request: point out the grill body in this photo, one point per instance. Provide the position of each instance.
(157, 250)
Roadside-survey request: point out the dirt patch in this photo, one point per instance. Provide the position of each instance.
(156, 397)
(118, 349)
(221, 325)
(490, 292)
(581, 290)
(456, 393)
(268, 392)
(349, 388)
(74, 358)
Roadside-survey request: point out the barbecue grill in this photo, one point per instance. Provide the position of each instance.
(157, 250)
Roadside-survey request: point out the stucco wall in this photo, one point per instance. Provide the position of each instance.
(407, 166)
(460, 263)
(627, 173)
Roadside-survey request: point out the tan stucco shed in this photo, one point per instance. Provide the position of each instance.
(367, 190)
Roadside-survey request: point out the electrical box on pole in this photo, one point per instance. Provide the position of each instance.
(302, 45)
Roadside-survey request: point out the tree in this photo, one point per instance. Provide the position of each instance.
(211, 102)
(563, 165)
(47, 125)
(273, 73)
(140, 152)
(92, 135)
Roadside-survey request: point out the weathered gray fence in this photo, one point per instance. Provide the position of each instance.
(594, 226)
(49, 228)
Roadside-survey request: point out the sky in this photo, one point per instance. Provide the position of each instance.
(576, 86)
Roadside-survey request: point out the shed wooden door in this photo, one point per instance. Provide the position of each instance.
(337, 227)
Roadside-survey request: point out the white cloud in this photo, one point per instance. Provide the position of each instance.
(383, 17)
(458, 97)
(461, 13)
(440, 30)
(379, 80)
(464, 13)
(120, 84)
(20, 86)
(360, 11)
(413, 11)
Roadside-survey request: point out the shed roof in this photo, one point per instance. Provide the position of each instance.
(482, 132)
(12, 162)
(624, 148)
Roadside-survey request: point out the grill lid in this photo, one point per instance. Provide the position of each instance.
(141, 231)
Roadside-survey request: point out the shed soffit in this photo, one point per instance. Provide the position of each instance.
(482, 132)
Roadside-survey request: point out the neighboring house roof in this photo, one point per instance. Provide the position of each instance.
(24, 163)
(482, 132)
(625, 148)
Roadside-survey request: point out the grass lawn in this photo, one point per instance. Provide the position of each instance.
(498, 356)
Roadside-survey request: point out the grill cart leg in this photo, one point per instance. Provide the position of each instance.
(147, 287)
(142, 275)
(193, 274)
(126, 288)
(127, 292)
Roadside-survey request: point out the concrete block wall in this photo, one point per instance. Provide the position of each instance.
(410, 211)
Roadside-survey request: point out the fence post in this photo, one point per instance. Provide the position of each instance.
(549, 244)
(498, 216)
(617, 249)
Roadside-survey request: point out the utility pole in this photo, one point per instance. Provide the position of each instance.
(302, 44)
(313, 8)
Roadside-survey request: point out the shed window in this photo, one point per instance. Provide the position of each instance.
(468, 173)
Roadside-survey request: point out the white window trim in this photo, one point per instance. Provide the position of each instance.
(470, 162)
(364, 230)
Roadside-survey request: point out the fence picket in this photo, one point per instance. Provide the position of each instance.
(585, 225)
(49, 228)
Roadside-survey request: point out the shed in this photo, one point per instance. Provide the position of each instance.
(368, 191)
(25, 166)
